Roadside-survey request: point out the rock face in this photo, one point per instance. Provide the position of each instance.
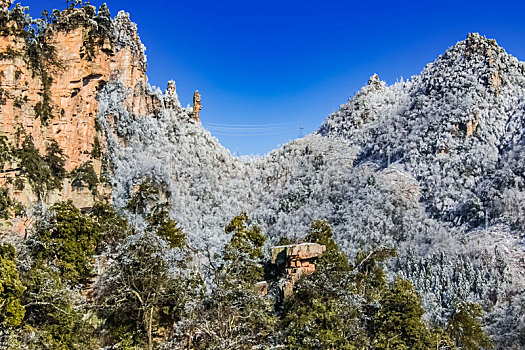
(78, 72)
(296, 259)
(50, 80)
(196, 105)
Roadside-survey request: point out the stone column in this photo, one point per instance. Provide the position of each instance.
(196, 105)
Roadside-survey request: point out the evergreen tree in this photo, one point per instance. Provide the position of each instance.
(6, 153)
(369, 273)
(398, 324)
(243, 254)
(56, 161)
(6, 203)
(103, 19)
(146, 289)
(103, 11)
(11, 289)
(333, 258)
(235, 317)
(160, 223)
(85, 175)
(324, 311)
(43, 173)
(144, 198)
(34, 167)
(67, 241)
(465, 329)
(113, 227)
(56, 314)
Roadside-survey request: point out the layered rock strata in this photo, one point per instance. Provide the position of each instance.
(296, 260)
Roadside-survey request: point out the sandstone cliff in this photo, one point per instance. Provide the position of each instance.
(51, 71)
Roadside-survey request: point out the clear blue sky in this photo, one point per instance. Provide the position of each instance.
(291, 62)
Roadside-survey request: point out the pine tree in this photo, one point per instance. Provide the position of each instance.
(144, 198)
(56, 161)
(85, 175)
(333, 258)
(33, 167)
(6, 154)
(67, 241)
(11, 289)
(234, 316)
(243, 254)
(6, 204)
(398, 324)
(146, 289)
(370, 275)
(57, 316)
(113, 227)
(160, 223)
(465, 329)
(43, 173)
(324, 311)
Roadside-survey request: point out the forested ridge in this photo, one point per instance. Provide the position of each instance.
(415, 189)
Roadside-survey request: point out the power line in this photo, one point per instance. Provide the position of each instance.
(244, 130)
(223, 128)
(251, 134)
(248, 125)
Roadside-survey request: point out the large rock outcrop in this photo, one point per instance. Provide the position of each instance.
(296, 260)
(49, 81)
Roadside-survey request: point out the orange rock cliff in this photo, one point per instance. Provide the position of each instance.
(50, 74)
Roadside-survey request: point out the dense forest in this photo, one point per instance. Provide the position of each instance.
(415, 189)
(150, 295)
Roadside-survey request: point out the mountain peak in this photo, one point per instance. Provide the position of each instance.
(375, 82)
(479, 44)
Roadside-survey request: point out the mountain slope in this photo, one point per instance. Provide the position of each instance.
(431, 166)
(452, 127)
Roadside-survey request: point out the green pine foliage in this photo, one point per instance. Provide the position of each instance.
(67, 241)
(333, 258)
(6, 153)
(146, 196)
(159, 222)
(324, 312)
(55, 160)
(85, 176)
(465, 328)
(46, 173)
(34, 167)
(56, 316)
(6, 204)
(145, 290)
(11, 309)
(113, 227)
(234, 316)
(370, 274)
(96, 151)
(243, 254)
(151, 294)
(398, 324)
(351, 305)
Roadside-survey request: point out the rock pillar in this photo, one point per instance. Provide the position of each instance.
(196, 105)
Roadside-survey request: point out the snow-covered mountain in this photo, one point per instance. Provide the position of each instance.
(433, 166)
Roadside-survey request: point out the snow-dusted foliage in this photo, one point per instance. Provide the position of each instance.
(125, 35)
(450, 127)
(433, 166)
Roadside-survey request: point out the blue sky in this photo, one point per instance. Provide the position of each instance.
(291, 63)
